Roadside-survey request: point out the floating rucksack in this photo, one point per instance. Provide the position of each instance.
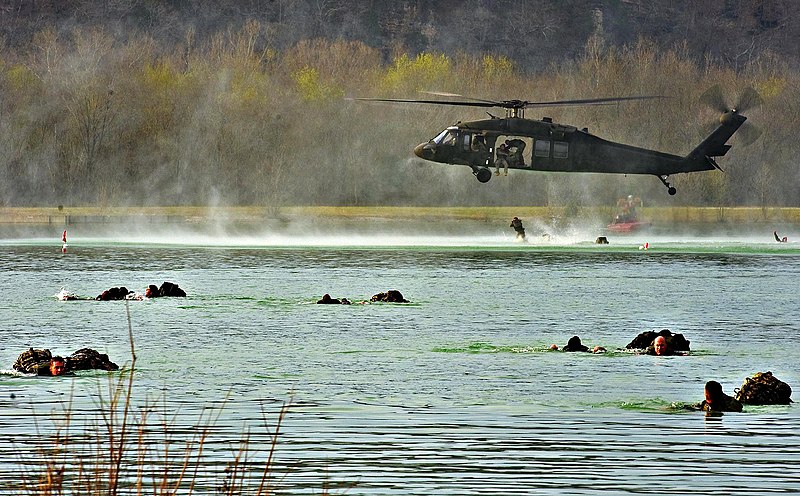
(30, 361)
(675, 342)
(88, 359)
(764, 389)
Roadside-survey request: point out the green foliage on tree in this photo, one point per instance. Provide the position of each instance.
(497, 67)
(410, 75)
(311, 89)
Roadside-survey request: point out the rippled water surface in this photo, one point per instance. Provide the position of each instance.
(453, 393)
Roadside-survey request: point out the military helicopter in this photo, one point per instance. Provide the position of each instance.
(565, 148)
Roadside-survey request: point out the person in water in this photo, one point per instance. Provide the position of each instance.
(41, 362)
(517, 225)
(167, 289)
(660, 347)
(778, 238)
(119, 293)
(122, 293)
(574, 344)
(676, 344)
(327, 300)
(391, 296)
(56, 367)
(717, 401)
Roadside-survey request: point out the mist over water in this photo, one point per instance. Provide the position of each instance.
(578, 233)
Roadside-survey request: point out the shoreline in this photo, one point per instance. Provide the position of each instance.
(67, 216)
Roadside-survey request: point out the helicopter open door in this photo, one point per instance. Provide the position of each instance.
(519, 150)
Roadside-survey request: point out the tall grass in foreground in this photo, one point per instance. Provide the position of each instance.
(116, 448)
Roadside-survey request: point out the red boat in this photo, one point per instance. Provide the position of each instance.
(627, 226)
(627, 220)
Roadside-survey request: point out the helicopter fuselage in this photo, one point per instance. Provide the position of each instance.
(548, 146)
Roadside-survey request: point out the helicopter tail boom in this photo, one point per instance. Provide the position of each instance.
(715, 144)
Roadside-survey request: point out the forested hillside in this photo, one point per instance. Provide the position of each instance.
(244, 102)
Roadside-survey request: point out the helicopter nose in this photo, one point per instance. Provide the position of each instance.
(425, 150)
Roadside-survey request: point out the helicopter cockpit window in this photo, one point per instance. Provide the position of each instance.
(541, 148)
(560, 149)
(446, 137)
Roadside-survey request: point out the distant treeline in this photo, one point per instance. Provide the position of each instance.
(533, 33)
(88, 116)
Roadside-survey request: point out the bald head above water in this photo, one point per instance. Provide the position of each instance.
(660, 345)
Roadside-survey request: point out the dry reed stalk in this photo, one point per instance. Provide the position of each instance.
(92, 461)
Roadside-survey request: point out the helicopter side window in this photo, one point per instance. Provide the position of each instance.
(541, 148)
(560, 149)
(466, 142)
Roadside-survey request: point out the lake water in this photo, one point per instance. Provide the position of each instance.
(453, 393)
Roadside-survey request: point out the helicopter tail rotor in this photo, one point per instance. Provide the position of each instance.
(714, 99)
(749, 133)
(748, 99)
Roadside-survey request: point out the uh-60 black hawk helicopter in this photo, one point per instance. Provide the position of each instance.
(564, 148)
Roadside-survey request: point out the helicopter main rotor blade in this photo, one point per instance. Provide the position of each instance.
(456, 95)
(713, 98)
(511, 104)
(442, 93)
(434, 102)
(593, 101)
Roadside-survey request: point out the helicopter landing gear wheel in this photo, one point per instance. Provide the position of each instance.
(483, 174)
(670, 189)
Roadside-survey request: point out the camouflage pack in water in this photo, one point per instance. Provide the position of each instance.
(88, 359)
(391, 296)
(32, 360)
(675, 342)
(29, 361)
(764, 389)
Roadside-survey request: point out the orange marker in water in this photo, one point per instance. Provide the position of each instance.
(64, 241)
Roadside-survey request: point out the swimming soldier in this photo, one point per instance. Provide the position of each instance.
(517, 225)
(717, 401)
(41, 362)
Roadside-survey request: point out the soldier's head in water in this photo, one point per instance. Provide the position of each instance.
(660, 345)
(57, 366)
(713, 393)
